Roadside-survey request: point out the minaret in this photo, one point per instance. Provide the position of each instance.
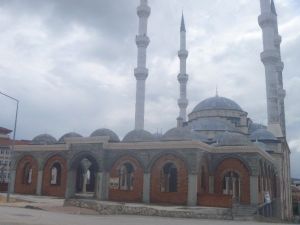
(279, 69)
(182, 77)
(141, 72)
(270, 58)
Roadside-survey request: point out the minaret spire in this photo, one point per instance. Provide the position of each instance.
(141, 72)
(182, 77)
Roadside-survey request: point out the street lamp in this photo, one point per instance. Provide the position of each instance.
(12, 146)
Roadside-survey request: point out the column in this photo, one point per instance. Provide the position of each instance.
(70, 187)
(39, 182)
(254, 190)
(211, 186)
(146, 188)
(98, 186)
(192, 189)
(12, 179)
(104, 185)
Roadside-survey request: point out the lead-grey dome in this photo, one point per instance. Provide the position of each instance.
(261, 145)
(139, 136)
(256, 126)
(232, 139)
(217, 103)
(113, 137)
(68, 135)
(212, 124)
(44, 139)
(178, 134)
(262, 135)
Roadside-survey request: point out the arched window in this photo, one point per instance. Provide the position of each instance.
(55, 174)
(231, 184)
(169, 178)
(126, 177)
(27, 174)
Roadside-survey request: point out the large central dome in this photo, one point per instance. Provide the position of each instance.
(217, 103)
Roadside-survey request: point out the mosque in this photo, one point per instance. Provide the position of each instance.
(216, 156)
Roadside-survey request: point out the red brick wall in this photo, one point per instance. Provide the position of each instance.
(135, 195)
(215, 200)
(237, 166)
(54, 190)
(179, 197)
(21, 187)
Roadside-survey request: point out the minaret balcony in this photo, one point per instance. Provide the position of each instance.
(183, 54)
(142, 41)
(141, 73)
(182, 78)
(143, 11)
(183, 103)
(267, 20)
(270, 56)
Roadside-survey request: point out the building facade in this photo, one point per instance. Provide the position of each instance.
(216, 155)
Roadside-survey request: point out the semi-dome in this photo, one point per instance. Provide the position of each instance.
(232, 139)
(260, 145)
(256, 126)
(178, 134)
(139, 136)
(217, 102)
(44, 139)
(212, 124)
(262, 135)
(68, 135)
(113, 137)
(199, 137)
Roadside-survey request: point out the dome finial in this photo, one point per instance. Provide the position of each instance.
(217, 91)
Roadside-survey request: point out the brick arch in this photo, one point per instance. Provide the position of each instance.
(135, 195)
(20, 186)
(55, 190)
(179, 197)
(154, 159)
(233, 164)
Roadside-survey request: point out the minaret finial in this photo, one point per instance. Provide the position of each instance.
(217, 91)
(273, 8)
(182, 77)
(141, 71)
(182, 27)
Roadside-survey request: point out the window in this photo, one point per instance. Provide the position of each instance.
(55, 174)
(231, 184)
(169, 178)
(126, 177)
(27, 174)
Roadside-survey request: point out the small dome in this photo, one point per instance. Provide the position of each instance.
(232, 139)
(262, 135)
(113, 137)
(138, 136)
(256, 126)
(178, 134)
(44, 139)
(217, 103)
(261, 145)
(212, 124)
(199, 137)
(68, 135)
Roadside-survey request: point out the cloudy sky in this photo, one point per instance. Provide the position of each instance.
(70, 63)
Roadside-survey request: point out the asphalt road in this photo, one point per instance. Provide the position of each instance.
(18, 216)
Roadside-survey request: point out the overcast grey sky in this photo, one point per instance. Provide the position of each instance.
(70, 62)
